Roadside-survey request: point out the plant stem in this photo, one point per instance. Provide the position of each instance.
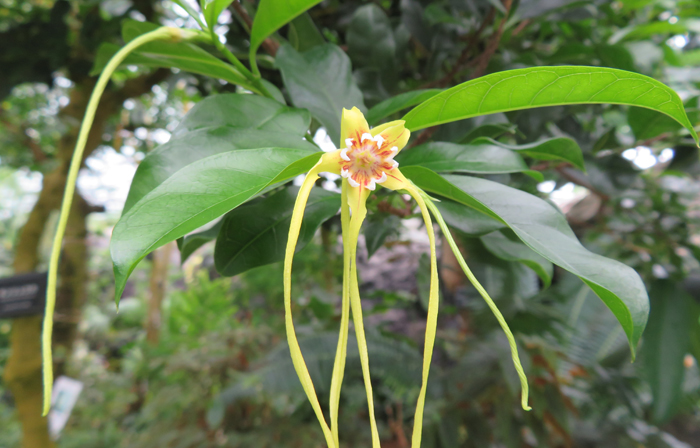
(253, 78)
(494, 309)
(76, 162)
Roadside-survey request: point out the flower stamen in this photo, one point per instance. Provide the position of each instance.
(366, 164)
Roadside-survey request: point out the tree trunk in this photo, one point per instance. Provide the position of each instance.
(23, 370)
(159, 277)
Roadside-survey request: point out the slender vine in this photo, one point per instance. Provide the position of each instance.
(163, 33)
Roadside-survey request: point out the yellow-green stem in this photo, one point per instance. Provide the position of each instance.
(255, 79)
(358, 216)
(254, 62)
(494, 309)
(294, 348)
(341, 351)
(431, 323)
(158, 34)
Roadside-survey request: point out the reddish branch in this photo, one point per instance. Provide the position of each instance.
(269, 45)
(484, 58)
(386, 207)
(463, 60)
(423, 137)
(568, 174)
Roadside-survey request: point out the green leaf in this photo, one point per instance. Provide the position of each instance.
(371, 43)
(666, 343)
(194, 241)
(492, 130)
(245, 111)
(645, 30)
(616, 56)
(453, 158)
(182, 55)
(547, 86)
(256, 234)
(320, 80)
(646, 123)
(695, 329)
(512, 249)
(466, 219)
(545, 230)
(272, 15)
(561, 148)
(378, 227)
(303, 33)
(196, 195)
(213, 9)
(399, 103)
(220, 124)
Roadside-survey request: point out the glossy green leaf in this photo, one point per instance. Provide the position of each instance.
(466, 219)
(196, 195)
(512, 249)
(213, 9)
(646, 123)
(273, 15)
(666, 342)
(371, 44)
(220, 124)
(303, 33)
(370, 38)
(245, 111)
(398, 103)
(547, 86)
(194, 241)
(167, 159)
(695, 330)
(616, 56)
(561, 148)
(545, 230)
(256, 234)
(377, 228)
(320, 80)
(491, 130)
(453, 158)
(182, 55)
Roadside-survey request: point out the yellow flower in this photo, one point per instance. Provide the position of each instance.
(365, 160)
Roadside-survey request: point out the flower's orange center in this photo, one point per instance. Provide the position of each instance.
(366, 161)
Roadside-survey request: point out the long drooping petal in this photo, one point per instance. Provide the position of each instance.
(431, 324)
(489, 302)
(341, 351)
(294, 349)
(357, 199)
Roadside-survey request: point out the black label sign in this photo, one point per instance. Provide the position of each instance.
(22, 295)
